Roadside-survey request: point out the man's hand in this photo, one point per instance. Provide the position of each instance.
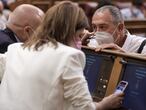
(109, 46)
(86, 38)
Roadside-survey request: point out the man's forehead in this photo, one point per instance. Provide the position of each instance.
(102, 18)
(102, 21)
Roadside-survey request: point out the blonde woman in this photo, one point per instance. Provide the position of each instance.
(46, 72)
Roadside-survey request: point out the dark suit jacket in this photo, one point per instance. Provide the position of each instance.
(7, 37)
(5, 3)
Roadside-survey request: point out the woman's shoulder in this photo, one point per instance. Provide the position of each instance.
(14, 45)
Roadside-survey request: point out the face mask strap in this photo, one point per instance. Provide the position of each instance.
(114, 33)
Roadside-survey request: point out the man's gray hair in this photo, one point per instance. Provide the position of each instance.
(115, 12)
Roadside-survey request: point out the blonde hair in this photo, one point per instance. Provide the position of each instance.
(61, 22)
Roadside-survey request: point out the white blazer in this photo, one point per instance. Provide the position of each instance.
(49, 79)
(2, 65)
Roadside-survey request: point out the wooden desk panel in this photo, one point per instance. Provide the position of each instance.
(136, 26)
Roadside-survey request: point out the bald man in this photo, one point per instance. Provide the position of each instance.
(21, 24)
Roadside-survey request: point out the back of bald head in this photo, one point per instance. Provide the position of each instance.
(26, 14)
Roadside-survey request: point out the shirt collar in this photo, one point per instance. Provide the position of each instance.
(16, 38)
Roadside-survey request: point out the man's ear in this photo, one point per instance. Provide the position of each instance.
(28, 30)
(120, 27)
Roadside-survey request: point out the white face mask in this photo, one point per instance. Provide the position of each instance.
(103, 38)
(100, 38)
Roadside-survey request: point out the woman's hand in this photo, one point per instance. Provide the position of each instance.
(111, 102)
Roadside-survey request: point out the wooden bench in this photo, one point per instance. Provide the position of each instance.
(44, 5)
(12, 6)
(106, 77)
(136, 26)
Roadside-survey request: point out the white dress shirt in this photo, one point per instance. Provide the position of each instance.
(132, 43)
(48, 79)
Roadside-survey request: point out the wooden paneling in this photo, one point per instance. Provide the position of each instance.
(136, 26)
(12, 6)
(44, 5)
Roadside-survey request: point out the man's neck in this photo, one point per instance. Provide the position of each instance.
(122, 40)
